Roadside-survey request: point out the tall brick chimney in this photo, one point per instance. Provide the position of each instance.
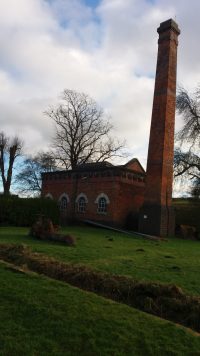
(157, 213)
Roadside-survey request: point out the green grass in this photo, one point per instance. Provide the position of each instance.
(40, 316)
(176, 261)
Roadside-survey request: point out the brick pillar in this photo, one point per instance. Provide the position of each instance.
(157, 215)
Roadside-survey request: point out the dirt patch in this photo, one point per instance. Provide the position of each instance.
(164, 300)
(176, 268)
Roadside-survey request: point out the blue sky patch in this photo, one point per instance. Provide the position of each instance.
(92, 3)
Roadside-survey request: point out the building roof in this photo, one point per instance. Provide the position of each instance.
(132, 163)
(133, 166)
(94, 165)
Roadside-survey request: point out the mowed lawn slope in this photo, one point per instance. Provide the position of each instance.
(175, 261)
(40, 316)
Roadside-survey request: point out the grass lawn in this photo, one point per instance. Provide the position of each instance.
(40, 316)
(176, 261)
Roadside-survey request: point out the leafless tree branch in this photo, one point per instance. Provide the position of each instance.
(82, 132)
(29, 180)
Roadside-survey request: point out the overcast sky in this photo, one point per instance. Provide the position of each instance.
(106, 48)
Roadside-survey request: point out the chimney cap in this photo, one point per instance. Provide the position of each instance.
(168, 25)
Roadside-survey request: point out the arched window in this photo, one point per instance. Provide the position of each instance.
(81, 205)
(63, 203)
(81, 202)
(102, 202)
(102, 205)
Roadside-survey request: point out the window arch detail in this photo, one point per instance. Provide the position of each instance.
(82, 195)
(102, 195)
(49, 196)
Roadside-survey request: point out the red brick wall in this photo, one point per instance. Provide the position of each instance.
(157, 215)
(161, 144)
(125, 195)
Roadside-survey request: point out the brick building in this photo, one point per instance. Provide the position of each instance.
(97, 191)
(107, 193)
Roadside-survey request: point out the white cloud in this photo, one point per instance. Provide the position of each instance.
(25, 14)
(109, 52)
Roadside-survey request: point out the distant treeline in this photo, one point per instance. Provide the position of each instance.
(187, 211)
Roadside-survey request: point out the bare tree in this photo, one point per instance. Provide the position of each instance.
(82, 132)
(186, 162)
(187, 158)
(29, 179)
(188, 105)
(187, 165)
(10, 149)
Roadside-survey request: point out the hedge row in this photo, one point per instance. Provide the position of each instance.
(16, 211)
